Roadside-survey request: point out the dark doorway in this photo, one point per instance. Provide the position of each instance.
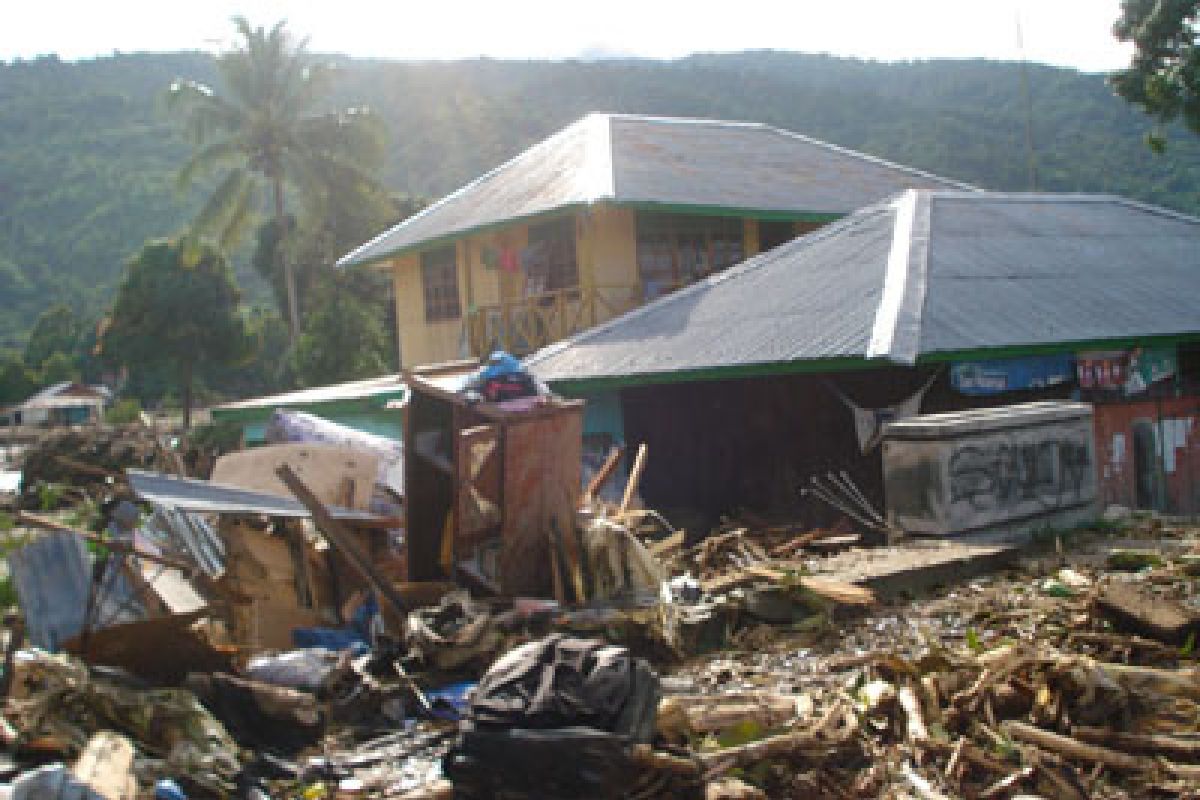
(1145, 464)
(774, 232)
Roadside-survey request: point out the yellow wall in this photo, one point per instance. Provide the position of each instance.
(421, 342)
(606, 249)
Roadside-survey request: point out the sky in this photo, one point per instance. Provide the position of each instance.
(1075, 33)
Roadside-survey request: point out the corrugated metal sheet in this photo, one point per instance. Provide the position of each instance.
(997, 270)
(53, 574)
(661, 161)
(189, 494)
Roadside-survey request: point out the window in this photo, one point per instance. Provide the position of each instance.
(551, 261)
(439, 279)
(676, 249)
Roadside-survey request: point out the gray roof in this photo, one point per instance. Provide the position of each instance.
(737, 166)
(924, 273)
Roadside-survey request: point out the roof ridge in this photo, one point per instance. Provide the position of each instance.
(896, 334)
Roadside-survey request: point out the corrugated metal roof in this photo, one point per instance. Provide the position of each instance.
(190, 494)
(352, 390)
(925, 273)
(625, 159)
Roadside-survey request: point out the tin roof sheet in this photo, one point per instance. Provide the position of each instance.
(658, 161)
(923, 273)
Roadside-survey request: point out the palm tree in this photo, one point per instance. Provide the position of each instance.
(266, 133)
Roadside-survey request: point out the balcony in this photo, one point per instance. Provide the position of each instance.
(525, 325)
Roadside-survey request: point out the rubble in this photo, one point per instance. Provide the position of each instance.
(270, 634)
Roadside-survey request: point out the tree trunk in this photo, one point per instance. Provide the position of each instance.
(185, 378)
(289, 278)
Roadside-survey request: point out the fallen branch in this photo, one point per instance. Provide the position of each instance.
(1073, 748)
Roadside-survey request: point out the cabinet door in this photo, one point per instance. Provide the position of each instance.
(477, 461)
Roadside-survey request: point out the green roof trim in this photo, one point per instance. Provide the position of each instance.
(573, 387)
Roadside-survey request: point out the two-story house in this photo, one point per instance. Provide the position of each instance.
(608, 213)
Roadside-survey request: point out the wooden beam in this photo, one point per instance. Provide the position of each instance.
(339, 537)
(635, 476)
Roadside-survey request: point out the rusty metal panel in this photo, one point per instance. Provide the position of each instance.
(541, 483)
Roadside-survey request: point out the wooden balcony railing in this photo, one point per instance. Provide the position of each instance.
(522, 326)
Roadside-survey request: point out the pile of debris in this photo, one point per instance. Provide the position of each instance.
(260, 634)
(86, 460)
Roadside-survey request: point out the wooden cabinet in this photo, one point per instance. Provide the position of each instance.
(487, 483)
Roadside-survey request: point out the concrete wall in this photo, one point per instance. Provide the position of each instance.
(954, 473)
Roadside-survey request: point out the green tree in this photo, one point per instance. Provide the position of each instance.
(16, 381)
(59, 368)
(344, 339)
(1163, 76)
(57, 330)
(266, 132)
(177, 308)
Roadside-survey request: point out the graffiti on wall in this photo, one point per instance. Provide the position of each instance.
(1024, 475)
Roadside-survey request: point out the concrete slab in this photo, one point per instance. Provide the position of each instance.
(920, 564)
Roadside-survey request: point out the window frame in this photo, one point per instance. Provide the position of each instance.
(690, 246)
(439, 284)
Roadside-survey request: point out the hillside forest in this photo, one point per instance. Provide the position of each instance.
(89, 156)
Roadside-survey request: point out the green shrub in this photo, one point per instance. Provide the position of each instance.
(123, 412)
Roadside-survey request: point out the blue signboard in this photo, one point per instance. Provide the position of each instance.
(1000, 375)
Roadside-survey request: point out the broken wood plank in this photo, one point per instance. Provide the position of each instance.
(603, 475)
(106, 767)
(829, 588)
(1137, 611)
(665, 547)
(635, 477)
(338, 537)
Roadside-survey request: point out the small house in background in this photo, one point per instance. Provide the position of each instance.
(786, 366)
(373, 406)
(609, 213)
(66, 403)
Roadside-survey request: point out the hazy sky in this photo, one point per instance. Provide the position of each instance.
(1067, 32)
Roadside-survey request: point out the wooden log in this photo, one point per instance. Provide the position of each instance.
(1073, 748)
(709, 713)
(338, 537)
(635, 477)
(1139, 742)
(106, 767)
